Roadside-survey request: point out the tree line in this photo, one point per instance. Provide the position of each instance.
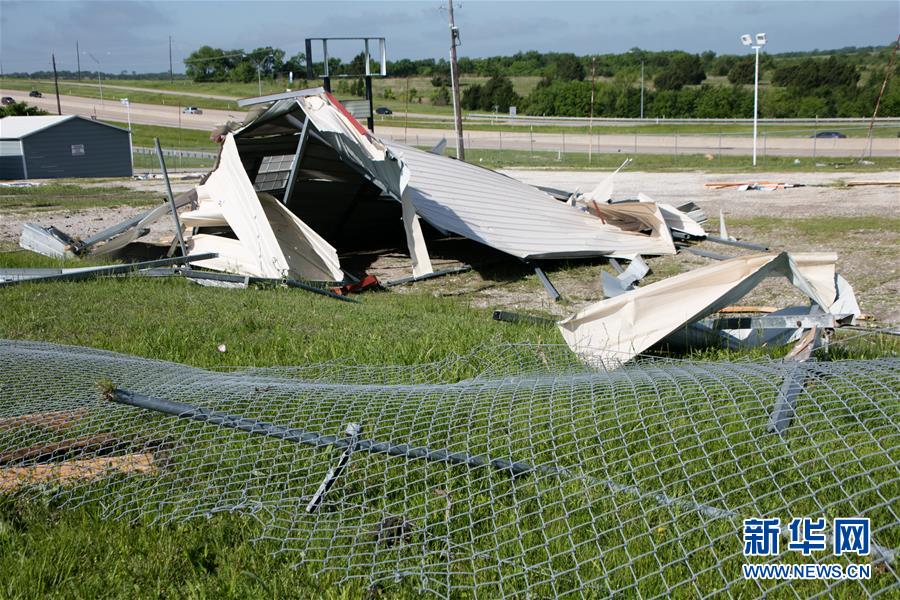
(838, 83)
(677, 84)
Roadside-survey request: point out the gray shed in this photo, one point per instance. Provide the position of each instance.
(62, 146)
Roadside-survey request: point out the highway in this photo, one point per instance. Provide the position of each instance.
(171, 116)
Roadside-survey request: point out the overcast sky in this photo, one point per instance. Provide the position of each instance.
(133, 35)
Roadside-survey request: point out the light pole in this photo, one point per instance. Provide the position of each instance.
(642, 88)
(127, 105)
(99, 73)
(259, 71)
(760, 41)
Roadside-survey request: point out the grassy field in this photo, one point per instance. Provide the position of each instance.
(188, 139)
(496, 159)
(57, 196)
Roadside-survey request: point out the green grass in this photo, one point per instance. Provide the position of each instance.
(820, 229)
(113, 95)
(57, 196)
(170, 137)
(498, 159)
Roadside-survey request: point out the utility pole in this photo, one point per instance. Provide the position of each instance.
(56, 83)
(454, 81)
(887, 76)
(78, 58)
(591, 120)
(171, 76)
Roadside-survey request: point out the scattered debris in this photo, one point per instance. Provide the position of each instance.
(612, 331)
(743, 186)
(873, 182)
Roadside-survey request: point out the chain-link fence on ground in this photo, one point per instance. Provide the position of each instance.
(515, 471)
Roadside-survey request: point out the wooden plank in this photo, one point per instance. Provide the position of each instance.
(748, 309)
(45, 452)
(56, 420)
(74, 471)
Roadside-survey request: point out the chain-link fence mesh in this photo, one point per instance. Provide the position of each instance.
(513, 471)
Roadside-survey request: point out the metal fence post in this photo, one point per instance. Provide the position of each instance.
(720, 144)
(675, 158)
(531, 139)
(564, 141)
(815, 137)
(635, 142)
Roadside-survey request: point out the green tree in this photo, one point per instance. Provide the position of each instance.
(20, 109)
(498, 91)
(683, 69)
(208, 64)
(743, 71)
(569, 68)
(471, 97)
(440, 96)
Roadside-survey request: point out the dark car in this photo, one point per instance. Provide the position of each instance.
(383, 110)
(35, 94)
(829, 134)
(7, 100)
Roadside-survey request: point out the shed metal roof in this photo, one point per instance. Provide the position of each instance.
(17, 128)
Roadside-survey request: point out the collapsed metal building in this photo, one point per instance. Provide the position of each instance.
(301, 182)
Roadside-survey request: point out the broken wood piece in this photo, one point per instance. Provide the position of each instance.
(748, 309)
(73, 471)
(56, 420)
(432, 275)
(873, 182)
(44, 452)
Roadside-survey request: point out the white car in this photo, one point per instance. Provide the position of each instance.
(192, 110)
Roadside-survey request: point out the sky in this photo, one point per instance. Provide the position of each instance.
(134, 35)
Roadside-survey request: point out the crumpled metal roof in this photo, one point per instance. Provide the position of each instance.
(509, 215)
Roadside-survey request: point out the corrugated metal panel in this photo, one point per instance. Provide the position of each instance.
(10, 148)
(12, 167)
(509, 215)
(78, 148)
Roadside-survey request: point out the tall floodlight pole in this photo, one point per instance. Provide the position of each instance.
(454, 82)
(78, 59)
(759, 43)
(642, 88)
(171, 74)
(591, 119)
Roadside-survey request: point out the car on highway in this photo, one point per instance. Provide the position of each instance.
(6, 100)
(35, 94)
(192, 110)
(829, 134)
(383, 110)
